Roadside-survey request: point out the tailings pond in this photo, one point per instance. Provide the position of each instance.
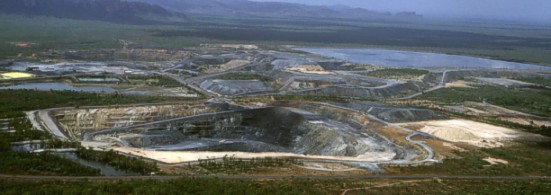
(395, 58)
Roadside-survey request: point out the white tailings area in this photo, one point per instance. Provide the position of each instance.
(474, 133)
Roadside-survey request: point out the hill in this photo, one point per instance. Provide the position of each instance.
(118, 11)
(279, 9)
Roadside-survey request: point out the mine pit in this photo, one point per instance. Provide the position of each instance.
(272, 129)
(215, 129)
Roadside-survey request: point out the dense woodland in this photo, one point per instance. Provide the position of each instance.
(24, 163)
(523, 161)
(118, 161)
(229, 164)
(529, 100)
(291, 186)
(397, 73)
(536, 80)
(13, 102)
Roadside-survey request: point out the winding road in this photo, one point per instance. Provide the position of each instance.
(440, 85)
(430, 152)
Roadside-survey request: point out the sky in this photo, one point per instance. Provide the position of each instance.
(525, 10)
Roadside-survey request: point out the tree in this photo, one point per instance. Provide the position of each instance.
(4, 145)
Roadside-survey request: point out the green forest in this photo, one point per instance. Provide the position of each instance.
(529, 100)
(14, 102)
(397, 73)
(291, 186)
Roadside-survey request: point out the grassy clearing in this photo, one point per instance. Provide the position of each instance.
(523, 160)
(533, 101)
(536, 80)
(397, 73)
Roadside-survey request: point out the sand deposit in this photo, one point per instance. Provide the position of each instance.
(459, 83)
(495, 161)
(172, 157)
(227, 66)
(310, 69)
(15, 75)
(474, 133)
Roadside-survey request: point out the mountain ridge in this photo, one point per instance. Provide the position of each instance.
(119, 11)
(246, 7)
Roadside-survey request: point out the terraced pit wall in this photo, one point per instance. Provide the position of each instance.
(75, 122)
(396, 90)
(272, 129)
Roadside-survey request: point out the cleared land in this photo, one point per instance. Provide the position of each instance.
(474, 133)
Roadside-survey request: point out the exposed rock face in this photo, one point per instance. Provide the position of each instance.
(393, 114)
(215, 64)
(272, 129)
(395, 90)
(234, 87)
(405, 114)
(308, 84)
(324, 139)
(281, 64)
(77, 121)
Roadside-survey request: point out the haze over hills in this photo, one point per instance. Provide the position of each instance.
(279, 9)
(105, 10)
(531, 11)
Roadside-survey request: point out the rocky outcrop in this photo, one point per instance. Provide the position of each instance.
(391, 91)
(234, 87)
(273, 129)
(75, 122)
(393, 114)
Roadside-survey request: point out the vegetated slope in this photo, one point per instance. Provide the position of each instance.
(279, 9)
(530, 100)
(105, 10)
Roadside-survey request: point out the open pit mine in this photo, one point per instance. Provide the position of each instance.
(256, 104)
(177, 133)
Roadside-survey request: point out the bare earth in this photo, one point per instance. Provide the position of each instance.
(459, 83)
(495, 161)
(172, 157)
(473, 133)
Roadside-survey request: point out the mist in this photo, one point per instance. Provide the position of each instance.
(515, 10)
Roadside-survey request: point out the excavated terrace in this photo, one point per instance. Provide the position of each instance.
(224, 127)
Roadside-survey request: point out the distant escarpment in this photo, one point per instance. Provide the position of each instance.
(118, 11)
